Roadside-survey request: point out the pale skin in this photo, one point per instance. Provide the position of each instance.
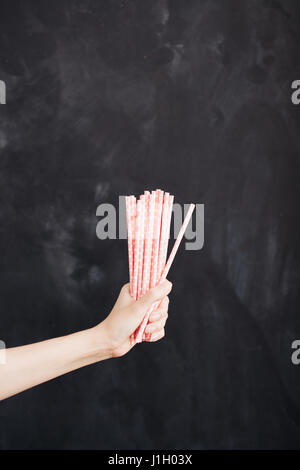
(33, 364)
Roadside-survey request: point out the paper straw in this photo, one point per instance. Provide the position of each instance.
(141, 330)
(149, 221)
(133, 222)
(141, 245)
(177, 242)
(133, 219)
(130, 224)
(163, 242)
(129, 236)
(138, 252)
(156, 236)
(137, 238)
(168, 224)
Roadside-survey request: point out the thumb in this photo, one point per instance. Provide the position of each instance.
(156, 293)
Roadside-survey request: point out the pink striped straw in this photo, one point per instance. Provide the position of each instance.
(167, 267)
(156, 236)
(137, 252)
(129, 234)
(177, 242)
(132, 205)
(141, 245)
(129, 217)
(168, 225)
(149, 219)
(163, 242)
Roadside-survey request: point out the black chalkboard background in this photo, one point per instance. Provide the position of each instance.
(111, 97)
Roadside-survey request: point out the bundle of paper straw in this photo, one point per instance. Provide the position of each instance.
(148, 228)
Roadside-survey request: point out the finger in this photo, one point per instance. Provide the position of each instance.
(159, 312)
(156, 336)
(158, 325)
(156, 293)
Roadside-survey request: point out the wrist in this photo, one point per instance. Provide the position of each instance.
(98, 344)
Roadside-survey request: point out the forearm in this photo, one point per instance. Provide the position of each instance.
(27, 366)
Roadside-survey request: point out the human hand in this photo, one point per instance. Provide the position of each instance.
(127, 314)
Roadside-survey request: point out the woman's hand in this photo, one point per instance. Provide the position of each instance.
(127, 314)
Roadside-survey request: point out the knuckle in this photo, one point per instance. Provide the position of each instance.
(152, 295)
(125, 288)
(159, 311)
(165, 312)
